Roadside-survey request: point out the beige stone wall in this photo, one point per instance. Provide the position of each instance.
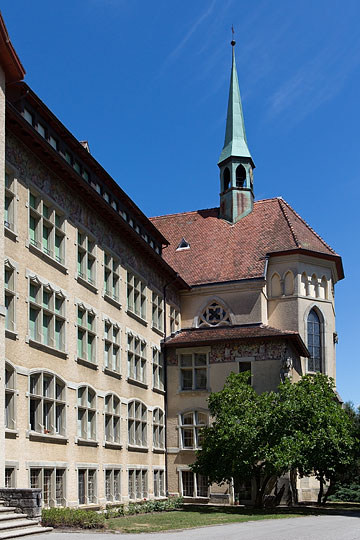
(23, 448)
(2, 319)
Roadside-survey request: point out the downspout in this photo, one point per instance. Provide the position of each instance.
(165, 386)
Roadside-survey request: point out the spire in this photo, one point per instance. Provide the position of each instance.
(235, 144)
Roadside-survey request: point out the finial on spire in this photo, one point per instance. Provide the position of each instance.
(233, 42)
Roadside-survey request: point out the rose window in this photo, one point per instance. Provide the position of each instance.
(214, 315)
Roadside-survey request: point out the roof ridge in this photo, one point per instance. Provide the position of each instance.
(297, 243)
(184, 213)
(308, 226)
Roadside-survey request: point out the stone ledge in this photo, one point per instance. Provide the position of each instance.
(27, 500)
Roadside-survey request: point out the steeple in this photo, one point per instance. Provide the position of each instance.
(235, 162)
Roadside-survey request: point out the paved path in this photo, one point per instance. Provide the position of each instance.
(302, 528)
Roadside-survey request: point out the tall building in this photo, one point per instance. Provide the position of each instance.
(115, 327)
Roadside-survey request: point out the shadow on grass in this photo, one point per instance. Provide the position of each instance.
(336, 509)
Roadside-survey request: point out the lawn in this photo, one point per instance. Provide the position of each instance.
(196, 516)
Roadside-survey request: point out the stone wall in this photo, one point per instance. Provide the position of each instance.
(27, 500)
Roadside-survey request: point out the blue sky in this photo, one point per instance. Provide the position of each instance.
(146, 84)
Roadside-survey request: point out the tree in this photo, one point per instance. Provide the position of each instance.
(262, 437)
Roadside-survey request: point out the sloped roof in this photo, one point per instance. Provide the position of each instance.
(221, 251)
(204, 336)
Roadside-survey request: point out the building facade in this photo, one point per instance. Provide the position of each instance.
(115, 327)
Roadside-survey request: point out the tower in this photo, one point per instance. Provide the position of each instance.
(235, 162)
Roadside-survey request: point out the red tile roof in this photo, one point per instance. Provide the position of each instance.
(220, 251)
(202, 336)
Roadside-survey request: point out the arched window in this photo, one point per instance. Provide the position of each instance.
(276, 285)
(214, 315)
(137, 424)
(323, 289)
(226, 178)
(314, 342)
(304, 285)
(112, 419)
(47, 404)
(191, 424)
(86, 413)
(314, 286)
(158, 429)
(240, 176)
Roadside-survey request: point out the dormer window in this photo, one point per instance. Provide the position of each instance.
(184, 244)
(214, 315)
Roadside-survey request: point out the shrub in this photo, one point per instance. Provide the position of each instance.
(346, 493)
(144, 507)
(71, 517)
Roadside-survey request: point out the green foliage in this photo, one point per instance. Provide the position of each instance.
(346, 493)
(144, 507)
(261, 437)
(71, 517)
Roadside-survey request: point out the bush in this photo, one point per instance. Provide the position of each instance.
(71, 517)
(144, 507)
(346, 493)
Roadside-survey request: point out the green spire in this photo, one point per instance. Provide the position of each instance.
(235, 144)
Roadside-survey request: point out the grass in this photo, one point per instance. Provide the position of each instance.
(197, 516)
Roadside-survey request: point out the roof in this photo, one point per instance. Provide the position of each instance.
(221, 251)
(235, 137)
(9, 60)
(204, 336)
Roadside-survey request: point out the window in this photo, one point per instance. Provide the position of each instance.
(194, 485)
(87, 486)
(137, 424)
(138, 484)
(159, 483)
(10, 296)
(184, 244)
(111, 277)
(214, 315)
(136, 358)
(86, 338)
(226, 178)
(10, 200)
(112, 485)
(157, 311)
(28, 116)
(40, 129)
(112, 419)
(86, 258)
(86, 413)
(46, 228)
(158, 429)
(240, 176)
(174, 319)
(136, 295)
(158, 369)
(9, 397)
(52, 483)
(314, 341)
(46, 315)
(245, 366)
(47, 404)
(10, 477)
(112, 346)
(191, 424)
(193, 371)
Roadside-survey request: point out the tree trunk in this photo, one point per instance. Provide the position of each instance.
(321, 490)
(330, 490)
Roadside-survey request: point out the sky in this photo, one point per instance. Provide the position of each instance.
(146, 83)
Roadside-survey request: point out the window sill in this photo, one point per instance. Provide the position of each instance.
(137, 383)
(87, 363)
(89, 506)
(47, 348)
(159, 391)
(47, 437)
(112, 300)
(133, 448)
(136, 317)
(46, 258)
(86, 442)
(112, 445)
(158, 450)
(11, 334)
(10, 234)
(112, 373)
(86, 284)
(11, 433)
(158, 331)
(196, 391)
